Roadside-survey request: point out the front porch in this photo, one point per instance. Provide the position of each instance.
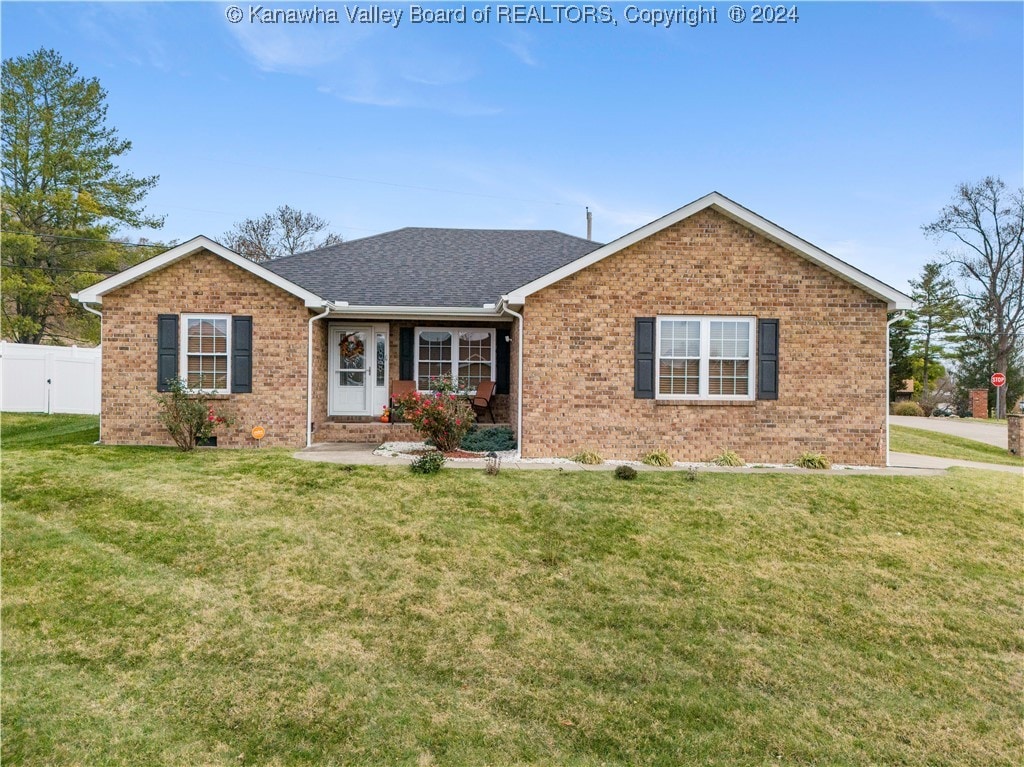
(372, 431)
(358, 363)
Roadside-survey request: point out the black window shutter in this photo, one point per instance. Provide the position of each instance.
(166, 350)
(406, 352)
(643, 359)
(767, 359)
(502, 361)
(241, 355)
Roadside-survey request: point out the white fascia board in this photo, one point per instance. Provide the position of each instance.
(894, 298)
(415, 312)
(94, 294)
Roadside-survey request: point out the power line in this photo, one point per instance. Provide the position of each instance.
(85, 239)
(55, 269)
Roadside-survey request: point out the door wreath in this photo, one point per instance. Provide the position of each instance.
(352, 348)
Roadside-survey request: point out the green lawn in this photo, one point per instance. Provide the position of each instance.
(240, 607)
(904, 439)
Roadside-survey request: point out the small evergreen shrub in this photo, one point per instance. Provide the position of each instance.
(907, 408)
(496, 439)
(813, 461)
(657, 458)
(588, 458)
(189, 417)
(428, 463)
(729, 458)
(625, 472)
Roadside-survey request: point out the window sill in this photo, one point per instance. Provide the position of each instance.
(705, 402)
(211, 397)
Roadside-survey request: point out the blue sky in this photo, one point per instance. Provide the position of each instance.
(850, 127)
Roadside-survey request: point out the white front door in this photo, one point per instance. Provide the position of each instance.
(358, 369)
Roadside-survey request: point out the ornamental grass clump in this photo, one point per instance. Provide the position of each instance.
(657, 458)
(439, 416)
(188, 416)
(813, 461)
(729, 458)
(588, 458)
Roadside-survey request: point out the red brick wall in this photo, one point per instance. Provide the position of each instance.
(578, 353)
(204, 283)
(979, 403)
(1015, 433)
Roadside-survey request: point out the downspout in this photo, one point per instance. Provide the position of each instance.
(888, 375)
(309, 373)
(100, 315)
(519, 381)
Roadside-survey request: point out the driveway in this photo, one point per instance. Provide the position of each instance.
(989, 433)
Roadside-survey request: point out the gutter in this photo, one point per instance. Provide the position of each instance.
(888, 361)
(100, 315)
(327, 306)
(503, 307)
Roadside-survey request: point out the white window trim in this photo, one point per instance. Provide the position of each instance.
(705, 358)
(455, 349)
(183, 349)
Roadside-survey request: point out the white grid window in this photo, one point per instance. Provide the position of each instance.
(205, 357)
(705, 357)
(434, 356)
(679, 358)
(468, 352)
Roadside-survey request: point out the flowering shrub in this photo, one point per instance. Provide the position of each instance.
(440, 416)
(188, 417)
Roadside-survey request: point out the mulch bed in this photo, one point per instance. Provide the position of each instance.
(449, 454)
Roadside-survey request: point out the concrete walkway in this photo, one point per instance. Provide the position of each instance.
(904, 464)
(989, 433)
(911, 461)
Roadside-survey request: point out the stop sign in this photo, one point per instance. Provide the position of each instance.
(998, 379)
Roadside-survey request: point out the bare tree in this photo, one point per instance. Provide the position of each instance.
(987, 224)
(284, 232)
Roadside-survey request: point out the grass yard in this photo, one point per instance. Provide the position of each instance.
(241, 607)
(904, 439)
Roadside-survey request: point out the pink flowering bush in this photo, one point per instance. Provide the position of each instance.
(188, 417)
(440, 416)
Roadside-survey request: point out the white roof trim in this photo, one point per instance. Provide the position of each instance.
(414, 312)
(94, 294)
(894, 298)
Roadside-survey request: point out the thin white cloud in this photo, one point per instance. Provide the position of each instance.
(364, 66)
(519, 46)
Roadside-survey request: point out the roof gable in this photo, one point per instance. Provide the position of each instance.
(94, 293)
(718, 202)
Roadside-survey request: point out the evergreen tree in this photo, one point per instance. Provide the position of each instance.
(63, 197)
(935, 323)
(901, 362)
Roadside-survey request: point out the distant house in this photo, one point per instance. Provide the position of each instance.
(708, 329)
(906, 393)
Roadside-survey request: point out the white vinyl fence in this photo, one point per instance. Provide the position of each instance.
(49, 379)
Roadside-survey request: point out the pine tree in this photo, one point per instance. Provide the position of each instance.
(936, 322)
(63, 197)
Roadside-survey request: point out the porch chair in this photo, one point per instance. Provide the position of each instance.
(401, 388)
(481, 401)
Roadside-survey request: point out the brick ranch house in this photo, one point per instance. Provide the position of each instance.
(708, 329)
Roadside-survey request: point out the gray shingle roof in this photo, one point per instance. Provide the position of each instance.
(431, 267)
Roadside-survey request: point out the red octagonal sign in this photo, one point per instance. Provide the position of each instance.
(998, 379)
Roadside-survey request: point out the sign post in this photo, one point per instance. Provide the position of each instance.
(258, 433)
